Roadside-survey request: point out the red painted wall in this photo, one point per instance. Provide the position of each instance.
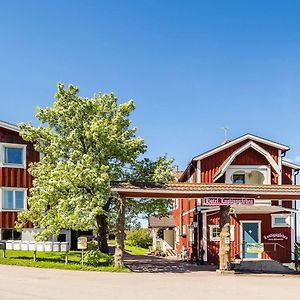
(15, 177)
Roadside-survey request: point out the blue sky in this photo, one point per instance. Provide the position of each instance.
(192, 67)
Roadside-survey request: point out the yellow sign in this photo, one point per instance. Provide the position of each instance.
(255, 247)
(82, 243)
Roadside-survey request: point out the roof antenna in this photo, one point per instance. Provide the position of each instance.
(226, 129)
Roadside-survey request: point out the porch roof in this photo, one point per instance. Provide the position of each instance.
(200, 190)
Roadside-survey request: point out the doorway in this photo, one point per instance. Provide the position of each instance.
(250, 233)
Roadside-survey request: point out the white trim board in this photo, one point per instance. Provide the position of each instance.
(238, 140)
(254, 146)
(290, 165)
(9, 126)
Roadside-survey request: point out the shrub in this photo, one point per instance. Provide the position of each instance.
(95, 258)
(139, 238)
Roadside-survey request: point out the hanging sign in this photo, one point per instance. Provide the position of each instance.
(216, 201)
(275, 236)
(255, 247)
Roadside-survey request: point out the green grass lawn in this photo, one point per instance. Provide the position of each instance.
(132, 249)
(56, 260)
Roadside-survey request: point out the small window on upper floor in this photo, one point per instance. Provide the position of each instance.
(13, 156)
(238, 178)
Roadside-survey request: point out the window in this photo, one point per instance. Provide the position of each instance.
(10, 234)
(13, 155)
(13, 200)
(214, 233)
(238, 178)
(280, 220)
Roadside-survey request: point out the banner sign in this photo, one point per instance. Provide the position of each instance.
(254, 247)
(275, 236)
(228, 201)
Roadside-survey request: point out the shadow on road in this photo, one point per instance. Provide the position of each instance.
(153, 264)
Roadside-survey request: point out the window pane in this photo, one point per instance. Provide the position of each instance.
(280, 220)
(8, 200)
(13, 156)
(238, 179)
(19, 200)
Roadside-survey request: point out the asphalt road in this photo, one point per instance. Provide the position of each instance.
(31, 283)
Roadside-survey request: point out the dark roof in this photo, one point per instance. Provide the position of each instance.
(163, 222)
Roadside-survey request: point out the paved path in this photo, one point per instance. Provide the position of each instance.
(21, 283)
(152, 264)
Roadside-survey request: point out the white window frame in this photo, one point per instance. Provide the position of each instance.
(217, 239)
(287, 218)
(14, 198)
(2, 155)
(244, 169)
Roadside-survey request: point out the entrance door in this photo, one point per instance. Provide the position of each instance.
(250, 235)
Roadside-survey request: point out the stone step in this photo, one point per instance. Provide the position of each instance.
(261, 266)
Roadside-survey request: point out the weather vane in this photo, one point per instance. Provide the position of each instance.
(226, 129)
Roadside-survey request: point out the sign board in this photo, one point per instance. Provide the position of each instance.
(275, 236)
(227, 240)
(216, 201)
(254, 247)
(82, 243)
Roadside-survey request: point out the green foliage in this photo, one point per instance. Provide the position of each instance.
(85, 144)
(56, 260)
(139, 238)
(95, 258)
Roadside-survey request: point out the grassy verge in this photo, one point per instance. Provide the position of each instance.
(132, 249)
(56, 260)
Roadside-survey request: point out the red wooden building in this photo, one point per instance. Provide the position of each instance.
(15, 181)
(246, 160)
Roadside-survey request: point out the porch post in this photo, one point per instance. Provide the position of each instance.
(224, 247)
(120, 231)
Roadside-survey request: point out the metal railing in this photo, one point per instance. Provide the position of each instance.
(238, 248)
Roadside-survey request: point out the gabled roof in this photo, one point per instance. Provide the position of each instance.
(9, 126)
(238, 140)
(237, 152)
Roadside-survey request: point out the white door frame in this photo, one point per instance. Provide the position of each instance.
(241, 234)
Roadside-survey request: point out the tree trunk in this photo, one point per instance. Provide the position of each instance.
(101, 221)
(224, 248)
(120, 228)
